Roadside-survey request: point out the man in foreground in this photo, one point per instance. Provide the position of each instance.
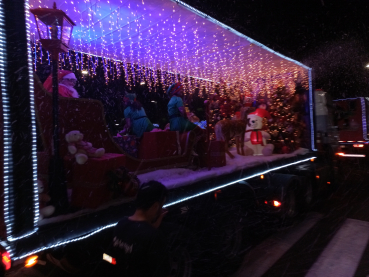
(139, 247)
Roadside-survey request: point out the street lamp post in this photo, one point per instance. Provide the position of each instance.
(55, 31)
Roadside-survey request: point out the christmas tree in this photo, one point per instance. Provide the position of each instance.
(282, 127)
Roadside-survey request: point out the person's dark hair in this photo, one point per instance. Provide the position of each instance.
(149, 193)
(134, 105)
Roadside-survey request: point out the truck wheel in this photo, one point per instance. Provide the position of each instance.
(223, 254)
(183, 249)
(226, 236)
(287, 188)
(289, 209)
(307, 195)
(230, 241)
(180, 263)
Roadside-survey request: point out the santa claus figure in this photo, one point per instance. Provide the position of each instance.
(67, 80)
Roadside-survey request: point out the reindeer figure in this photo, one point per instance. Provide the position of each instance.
(225, 130)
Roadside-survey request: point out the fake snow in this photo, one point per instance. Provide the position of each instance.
(178, 177)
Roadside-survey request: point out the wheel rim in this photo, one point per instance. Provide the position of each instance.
(181, 265)
(231, 241)
(309, 194)
(291, 204)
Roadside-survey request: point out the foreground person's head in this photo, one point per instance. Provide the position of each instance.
(150, 199)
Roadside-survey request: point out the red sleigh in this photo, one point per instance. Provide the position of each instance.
(89, 181)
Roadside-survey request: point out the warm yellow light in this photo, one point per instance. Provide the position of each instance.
(276, 203)
(31, 261)
(84, 72)
(358, 145)
(261, 176)
(311, 160)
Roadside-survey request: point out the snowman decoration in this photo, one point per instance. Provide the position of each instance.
(255, 137)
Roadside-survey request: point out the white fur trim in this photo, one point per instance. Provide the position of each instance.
(70, 76)
(72, 89)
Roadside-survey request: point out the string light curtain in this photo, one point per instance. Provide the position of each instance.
(173, 37)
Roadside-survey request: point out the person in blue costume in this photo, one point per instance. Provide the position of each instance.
(135, 116)
(176, 110)
(178, 117)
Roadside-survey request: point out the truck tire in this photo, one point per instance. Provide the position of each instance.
(183, 249)
(287, 187)
(306, 193)
(180, 262)
(221, 248)
(224, 235)
(289, 203)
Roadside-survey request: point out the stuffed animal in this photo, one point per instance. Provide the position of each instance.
(45, 210)
(255, 137)
(82, 149)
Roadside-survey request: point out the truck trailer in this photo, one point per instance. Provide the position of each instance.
(155, 43)
(351, 115)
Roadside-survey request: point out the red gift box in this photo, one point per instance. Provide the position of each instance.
(156, 145)
(89, 180)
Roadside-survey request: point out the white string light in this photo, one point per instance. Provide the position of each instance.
(363, 118)
(64, 242)
(33, 118)
(234, 182)
(7, 167)
(8, 215)
(311, 106)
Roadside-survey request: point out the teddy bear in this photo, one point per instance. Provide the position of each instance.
(45, 210)
(81, 149)
(255, 137)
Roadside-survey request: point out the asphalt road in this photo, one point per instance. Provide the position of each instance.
(330, 241)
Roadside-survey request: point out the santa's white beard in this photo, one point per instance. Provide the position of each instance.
(74, 92)
(72, 89)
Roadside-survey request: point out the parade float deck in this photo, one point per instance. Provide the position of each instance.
(175, 179)
(179, 177)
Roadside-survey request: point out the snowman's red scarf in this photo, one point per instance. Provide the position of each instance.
(256, 137)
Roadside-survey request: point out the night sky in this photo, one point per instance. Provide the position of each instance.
(331, 36)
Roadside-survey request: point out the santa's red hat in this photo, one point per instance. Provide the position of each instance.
(262, 113)
(48, 84)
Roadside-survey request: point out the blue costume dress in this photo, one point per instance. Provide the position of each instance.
(177, 121)
(139, 121)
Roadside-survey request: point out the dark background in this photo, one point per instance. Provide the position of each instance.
(331, 36)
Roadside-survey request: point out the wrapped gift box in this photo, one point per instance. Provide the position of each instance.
(89, 180)
(156, 145)
(130, 144)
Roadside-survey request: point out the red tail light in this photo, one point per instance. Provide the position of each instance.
(109, 259)
(216, 194)
(6, 260)
(358, 145)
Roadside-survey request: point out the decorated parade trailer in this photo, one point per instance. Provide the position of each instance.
(56, 194)
(351, 117)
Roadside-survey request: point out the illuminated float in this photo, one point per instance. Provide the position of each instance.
(155, 43)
